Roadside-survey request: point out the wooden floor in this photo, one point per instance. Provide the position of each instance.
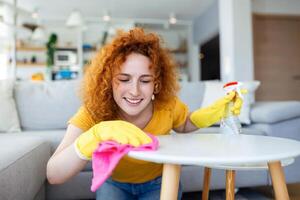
(265, 192)
(294, 191)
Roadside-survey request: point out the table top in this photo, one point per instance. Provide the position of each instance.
(220, 149)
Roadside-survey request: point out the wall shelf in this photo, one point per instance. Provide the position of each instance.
(30, 48)
(21, 64)
(178, 50)
(65, 48)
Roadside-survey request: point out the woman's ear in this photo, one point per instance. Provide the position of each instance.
(157, 88)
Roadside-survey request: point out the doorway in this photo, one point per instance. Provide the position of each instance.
(210, 59)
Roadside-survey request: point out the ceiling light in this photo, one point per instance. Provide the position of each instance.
(75, 19)
(35, 14)
(172, 19)
(106, 17)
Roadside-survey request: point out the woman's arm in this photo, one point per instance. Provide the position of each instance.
(65, 163)
(187, 126)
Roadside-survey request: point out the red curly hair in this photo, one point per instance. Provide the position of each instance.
(96, 90)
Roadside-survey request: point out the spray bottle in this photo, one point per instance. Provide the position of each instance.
(230, 124)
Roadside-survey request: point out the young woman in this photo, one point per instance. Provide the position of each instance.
(129, 90)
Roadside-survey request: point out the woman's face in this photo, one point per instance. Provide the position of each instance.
(133, 85)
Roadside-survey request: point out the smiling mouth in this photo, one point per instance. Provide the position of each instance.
(133, 101)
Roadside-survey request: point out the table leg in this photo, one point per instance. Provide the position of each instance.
(170, 182)
(230, 184)
(278, 181)
(206, 183)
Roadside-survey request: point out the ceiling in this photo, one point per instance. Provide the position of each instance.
(185, 10)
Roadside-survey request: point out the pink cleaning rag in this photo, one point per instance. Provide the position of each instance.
(108, 154)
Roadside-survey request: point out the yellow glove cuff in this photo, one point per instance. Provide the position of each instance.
(86, 144)
(204, 117)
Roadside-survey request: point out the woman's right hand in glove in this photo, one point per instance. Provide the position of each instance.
(120, 131)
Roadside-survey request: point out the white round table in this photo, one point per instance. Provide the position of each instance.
(229, 152)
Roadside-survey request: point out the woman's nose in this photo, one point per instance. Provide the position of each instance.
(134, 89)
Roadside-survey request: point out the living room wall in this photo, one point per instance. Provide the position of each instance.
(207, 25)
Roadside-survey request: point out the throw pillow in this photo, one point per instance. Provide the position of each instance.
(9, 121)
(214, 90)
(47, 104)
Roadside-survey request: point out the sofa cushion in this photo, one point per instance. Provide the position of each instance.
(46, 105)
(191, 93)
(23, 163)
(272, 112)
(287, 129)
(9, 121)
(78, 187)
(214, 90)
(53, 137)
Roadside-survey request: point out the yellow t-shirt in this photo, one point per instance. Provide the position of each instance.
(131, 170)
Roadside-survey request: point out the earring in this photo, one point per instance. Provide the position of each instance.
(153, 97)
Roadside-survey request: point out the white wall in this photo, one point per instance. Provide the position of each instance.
(193, 57)
(66, 36)
(237, 25)
(206, 26)
(7, 42)
(232, 20)
(243, 37)
(236, 48)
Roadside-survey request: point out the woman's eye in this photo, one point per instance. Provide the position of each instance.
(145, 81)
(123, 80)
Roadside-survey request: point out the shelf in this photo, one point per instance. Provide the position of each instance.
(66, 48)
(177, 50)
(28, 48)
(89, 50)
(20, 64)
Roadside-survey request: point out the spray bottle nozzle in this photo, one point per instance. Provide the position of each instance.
(233, 86)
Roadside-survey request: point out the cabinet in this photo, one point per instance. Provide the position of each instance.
(31, 56)
(30, 60)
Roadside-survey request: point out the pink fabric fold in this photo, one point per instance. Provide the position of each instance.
(108, 154)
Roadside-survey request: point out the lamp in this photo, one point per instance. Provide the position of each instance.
(75, 19)
(38, 34)
(106, 17)
(35, 14)
(172, 19)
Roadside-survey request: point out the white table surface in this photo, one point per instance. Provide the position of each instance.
(225, 151)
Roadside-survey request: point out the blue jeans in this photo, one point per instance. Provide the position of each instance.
(113, 190)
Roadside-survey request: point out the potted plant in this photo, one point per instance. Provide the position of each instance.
(51, 44)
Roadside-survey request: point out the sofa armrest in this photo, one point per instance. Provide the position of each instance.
(274, 111)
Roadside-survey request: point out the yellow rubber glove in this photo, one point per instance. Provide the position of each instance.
(119, 131)
(205, 117)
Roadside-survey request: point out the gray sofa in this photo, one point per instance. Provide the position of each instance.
(44, 108)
